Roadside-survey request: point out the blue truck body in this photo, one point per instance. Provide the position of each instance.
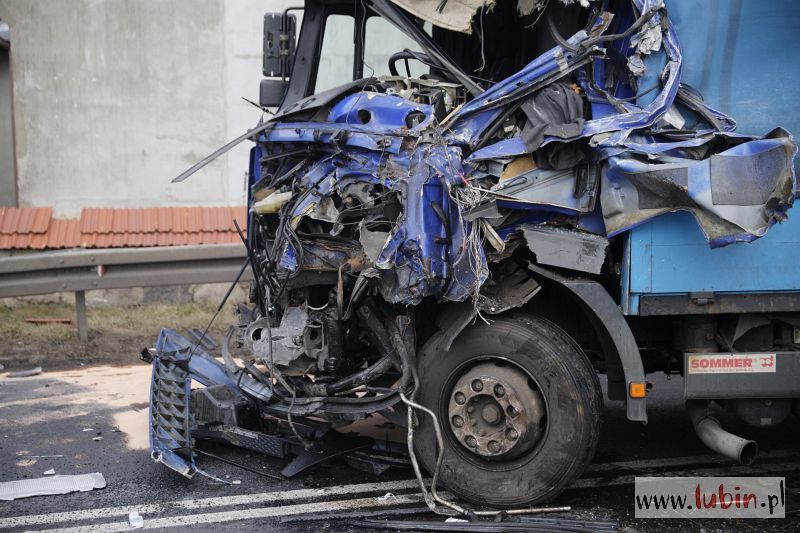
(747, 71)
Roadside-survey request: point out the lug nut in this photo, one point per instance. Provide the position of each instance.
(512, 434)
(491, 414)
(458, 421)
(471, 441)
(512, 411)
(460, 398)
(494, 446)
(477, 385)
(499, 391)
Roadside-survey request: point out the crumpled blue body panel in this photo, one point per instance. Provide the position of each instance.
(736, 186)
(420, 253)
(735, 195)
(381, 113)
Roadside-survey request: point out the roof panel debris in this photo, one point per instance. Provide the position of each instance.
(453, 15)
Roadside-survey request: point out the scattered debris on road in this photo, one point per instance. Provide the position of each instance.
(58, 484)
(551, 525)
(50, 472)
(135, 520)
(26, 373)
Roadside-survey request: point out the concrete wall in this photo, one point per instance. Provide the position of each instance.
(113, 98)
(7, 179)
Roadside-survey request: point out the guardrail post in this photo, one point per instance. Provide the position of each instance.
(80, 311)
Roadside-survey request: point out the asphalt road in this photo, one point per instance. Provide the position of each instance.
(50, 421)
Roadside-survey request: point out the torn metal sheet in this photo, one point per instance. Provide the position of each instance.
(373, 242)
(47, 486)
(283, 344)
(516, 290)
(564, 248)
(735, 194)
(526, 7)
(453, 15)
(555, 188)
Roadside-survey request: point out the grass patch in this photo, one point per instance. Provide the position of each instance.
(116, 334)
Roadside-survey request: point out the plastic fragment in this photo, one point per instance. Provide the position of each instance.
(135, 520)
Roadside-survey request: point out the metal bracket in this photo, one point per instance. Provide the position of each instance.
(702, 298)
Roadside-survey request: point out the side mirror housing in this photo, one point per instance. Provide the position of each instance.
(271, 92)
(280, 35)
(280, 32)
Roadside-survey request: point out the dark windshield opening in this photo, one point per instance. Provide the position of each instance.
(502, 41)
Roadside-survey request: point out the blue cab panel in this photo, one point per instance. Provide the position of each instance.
(742, 56)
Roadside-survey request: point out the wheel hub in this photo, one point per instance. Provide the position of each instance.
(496, 411)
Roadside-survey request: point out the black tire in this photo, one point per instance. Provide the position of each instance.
(571, 393)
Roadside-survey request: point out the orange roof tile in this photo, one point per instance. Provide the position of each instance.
(34, 228)
(149, 219)
(14, 220)
(63, 234)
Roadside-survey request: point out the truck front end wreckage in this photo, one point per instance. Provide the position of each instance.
(401, 231)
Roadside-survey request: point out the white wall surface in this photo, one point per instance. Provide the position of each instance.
(113, 98)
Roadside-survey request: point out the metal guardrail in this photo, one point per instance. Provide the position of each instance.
(83, 270)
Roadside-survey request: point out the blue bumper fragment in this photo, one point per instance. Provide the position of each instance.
(177, 362)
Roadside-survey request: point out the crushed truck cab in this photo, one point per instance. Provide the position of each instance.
(460, 239)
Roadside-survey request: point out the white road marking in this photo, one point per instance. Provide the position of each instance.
(366, 503)
(51, 519)
(216, 501)
(243, 514)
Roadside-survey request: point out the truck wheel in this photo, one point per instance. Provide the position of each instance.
(519, 406)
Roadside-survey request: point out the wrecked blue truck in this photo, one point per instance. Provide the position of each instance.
(461, 233)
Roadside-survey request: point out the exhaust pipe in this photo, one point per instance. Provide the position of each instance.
(711, 433)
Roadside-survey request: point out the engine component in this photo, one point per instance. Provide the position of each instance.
(280, 345)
